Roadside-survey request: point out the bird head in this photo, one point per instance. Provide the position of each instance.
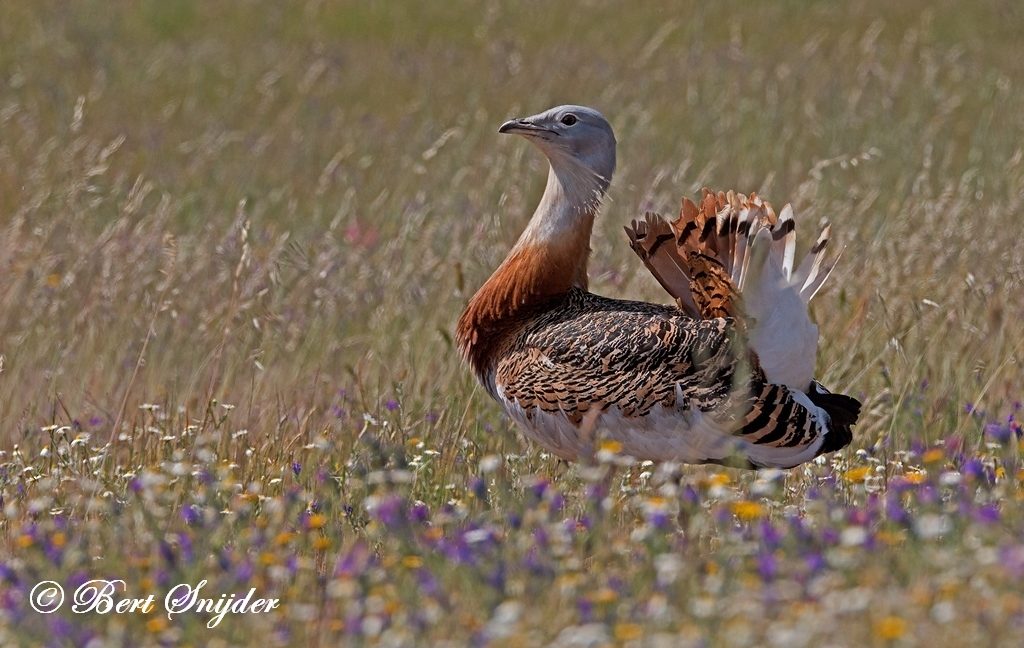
(575, 139)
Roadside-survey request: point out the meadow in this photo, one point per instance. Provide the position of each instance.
(235, 238)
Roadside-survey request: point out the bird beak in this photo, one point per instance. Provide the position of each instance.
(523, 127)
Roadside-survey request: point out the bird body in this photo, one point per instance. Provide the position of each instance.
(724, 376)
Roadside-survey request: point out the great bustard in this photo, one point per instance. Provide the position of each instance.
(725, 375)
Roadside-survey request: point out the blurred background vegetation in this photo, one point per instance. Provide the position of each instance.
(264, 203)
(235, 238)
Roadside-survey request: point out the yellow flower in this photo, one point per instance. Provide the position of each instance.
(857, 475)
(628, 631)
(267, 558)
(916, 477)
(24, 541)
(412, 562)
(891, 627)
(283, 538)
(317, 521)
(719, 479)
(59, 539)
(933, 455)
(747, 510)
(156, 624)
(604, 595)
(322, 543)
(433, 533)
(612, 446)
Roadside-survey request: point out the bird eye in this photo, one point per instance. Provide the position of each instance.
(569, 119)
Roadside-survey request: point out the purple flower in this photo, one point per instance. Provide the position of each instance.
(8, 575)
(815, 562)
(690, 495)
(999, 432)
(830, 536)
(224, 560)
(557, 502)
(428, 583)
(354, 562)
(296, 468)
(167, 553)
(191, 514)
(497, 578)
(419, 513)
(987, 514)
(390, 511)
(76, 580)
(659, 519)
(767, 566)
(391, 405)
(479, 488)
(974, 469)
(95, 420)
(894, 510)
(244, 571)
(770, 535)
(585, 609)
(185, 545)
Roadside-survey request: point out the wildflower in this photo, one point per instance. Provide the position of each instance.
(891, 628)
(412, 562)
(999, 432)
(916, 477)
(296, 468)
(628, 631)
(933, 455)
(604, 595)
(191, 514)
(987, 513)
(747, 510)
(719, 479)
(391, 405)
(478, 487)
(322, 543)
(857, 475)
(767, 566)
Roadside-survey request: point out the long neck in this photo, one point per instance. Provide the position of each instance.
(548, 260)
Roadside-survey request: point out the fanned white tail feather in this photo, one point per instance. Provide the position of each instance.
(755, 252)
(774, 297)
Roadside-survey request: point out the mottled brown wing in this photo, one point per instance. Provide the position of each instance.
(631, 355)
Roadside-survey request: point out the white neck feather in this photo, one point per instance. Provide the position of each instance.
(571, 199)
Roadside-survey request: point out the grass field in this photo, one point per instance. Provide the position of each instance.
(235, 237)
